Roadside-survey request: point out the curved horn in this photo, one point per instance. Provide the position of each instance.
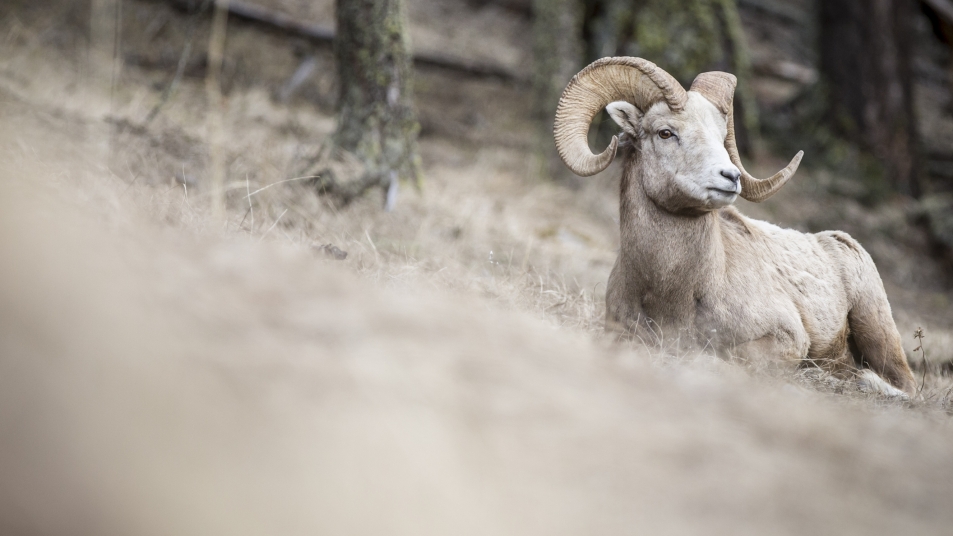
(637, 81)
(719, 89)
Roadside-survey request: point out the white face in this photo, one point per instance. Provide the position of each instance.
(685, 165)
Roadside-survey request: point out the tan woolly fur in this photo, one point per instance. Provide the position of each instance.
(691, 266)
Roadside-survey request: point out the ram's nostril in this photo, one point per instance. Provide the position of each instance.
(731, 174)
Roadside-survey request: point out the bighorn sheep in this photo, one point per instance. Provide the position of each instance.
(690, 263)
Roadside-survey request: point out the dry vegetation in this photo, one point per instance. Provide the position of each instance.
(161, 372)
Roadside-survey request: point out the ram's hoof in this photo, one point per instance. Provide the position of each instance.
(870, 382)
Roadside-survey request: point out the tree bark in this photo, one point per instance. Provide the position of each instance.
(557, 57)
(865, 57)
(377, 121)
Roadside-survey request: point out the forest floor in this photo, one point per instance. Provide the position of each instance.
(244, 375)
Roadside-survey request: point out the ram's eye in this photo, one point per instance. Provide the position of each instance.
(665, 134)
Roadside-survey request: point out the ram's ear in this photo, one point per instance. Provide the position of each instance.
(626, 116)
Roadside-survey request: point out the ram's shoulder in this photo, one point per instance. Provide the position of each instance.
(839, 240)
(844, 247)
(737, 221)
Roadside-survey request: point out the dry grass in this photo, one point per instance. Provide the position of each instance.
(183, 378)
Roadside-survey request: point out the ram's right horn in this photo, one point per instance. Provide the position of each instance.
(634, 80)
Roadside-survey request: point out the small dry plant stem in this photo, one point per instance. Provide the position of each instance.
(105, 39)
(273, 225)
(263, 188)
(918, 335)
(213, 90)
(250, 208)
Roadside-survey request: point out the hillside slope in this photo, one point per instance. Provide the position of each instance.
(159, 380)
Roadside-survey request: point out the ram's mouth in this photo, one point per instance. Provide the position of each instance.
(726, 193)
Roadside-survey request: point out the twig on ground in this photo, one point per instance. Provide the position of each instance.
(272, 225)
(186, 188)
(248, 196)
(243, 218)
(377, 256)
(128, 186)
(300, 76)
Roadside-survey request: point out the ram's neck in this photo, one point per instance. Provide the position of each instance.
(669, 262)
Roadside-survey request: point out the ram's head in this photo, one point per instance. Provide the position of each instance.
(685, 140)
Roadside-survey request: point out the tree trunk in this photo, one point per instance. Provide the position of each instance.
(702, 35)
(557, 57)
(376, 118)
(865, 57)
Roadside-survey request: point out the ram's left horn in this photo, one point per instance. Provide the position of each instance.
(719, 89)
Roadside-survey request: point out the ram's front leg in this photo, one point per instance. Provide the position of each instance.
(623, 312)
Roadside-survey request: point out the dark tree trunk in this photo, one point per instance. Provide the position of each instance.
(557, 56)
(937, 185)
(865, 57)
(699, 36)
(376, 118)
(939, 158)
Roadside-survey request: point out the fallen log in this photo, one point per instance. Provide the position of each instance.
(324, 34)
(777, 9)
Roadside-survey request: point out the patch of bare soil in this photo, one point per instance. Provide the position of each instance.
(162, 373)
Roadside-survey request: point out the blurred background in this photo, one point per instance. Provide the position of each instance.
(289, 266)
(863, 88)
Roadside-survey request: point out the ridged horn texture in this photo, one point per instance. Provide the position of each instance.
(719, 89)
(634, 80)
